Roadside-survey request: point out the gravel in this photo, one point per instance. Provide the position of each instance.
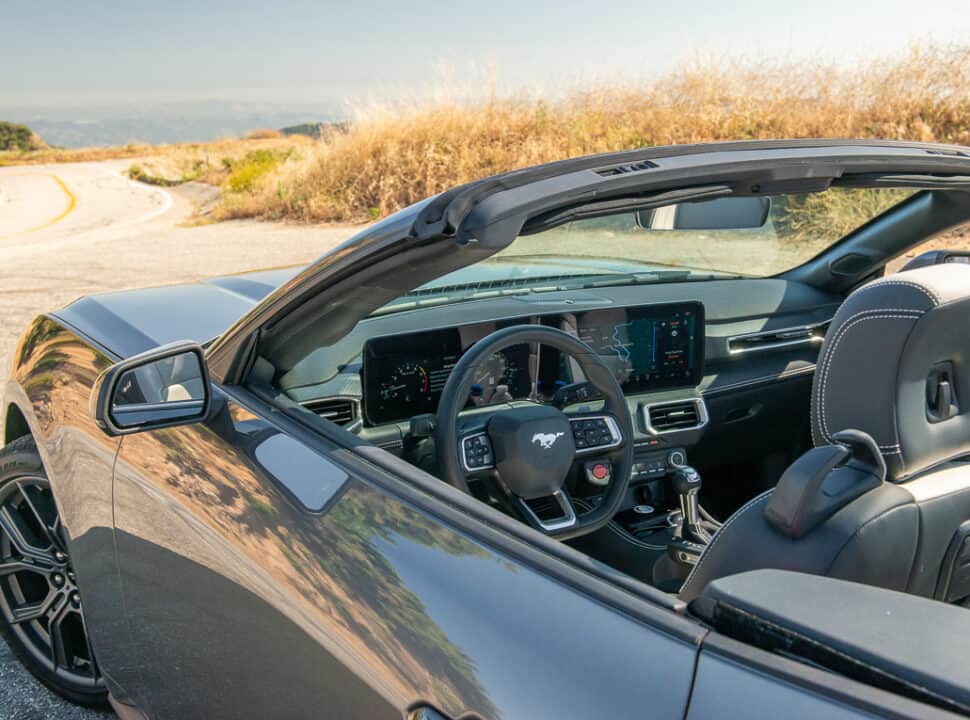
(23, 698)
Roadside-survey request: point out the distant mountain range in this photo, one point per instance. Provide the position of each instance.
(168, 123)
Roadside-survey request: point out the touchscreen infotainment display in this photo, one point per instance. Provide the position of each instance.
(648, 347)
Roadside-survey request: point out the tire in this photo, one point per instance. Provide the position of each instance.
(40, 610)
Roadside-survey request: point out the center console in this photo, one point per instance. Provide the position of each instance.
(663, 525)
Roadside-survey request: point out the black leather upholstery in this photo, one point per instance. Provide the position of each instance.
(879, 352)
(889, 640)
(878, 373)
(823, 481)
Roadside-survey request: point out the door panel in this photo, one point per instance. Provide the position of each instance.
(725, 689)
(245, 603)
(734, 680)
(52, 377)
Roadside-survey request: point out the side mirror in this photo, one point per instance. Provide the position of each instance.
(166, 386)
(726, 213)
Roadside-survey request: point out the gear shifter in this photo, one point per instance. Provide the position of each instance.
(686, 483)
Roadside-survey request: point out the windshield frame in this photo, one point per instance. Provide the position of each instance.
(636, 271)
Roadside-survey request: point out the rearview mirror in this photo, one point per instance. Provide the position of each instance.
(726, 213)
(160, 388)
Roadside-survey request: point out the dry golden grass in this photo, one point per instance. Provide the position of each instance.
(389, 159)
(176, 159)
(230, 164)
(63, 155)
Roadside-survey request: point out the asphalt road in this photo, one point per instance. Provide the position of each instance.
(73, 230)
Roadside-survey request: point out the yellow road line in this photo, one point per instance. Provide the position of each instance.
(71, 204)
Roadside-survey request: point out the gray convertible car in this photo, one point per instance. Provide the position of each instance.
(642, 435)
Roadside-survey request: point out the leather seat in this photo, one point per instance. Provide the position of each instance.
(888, 502)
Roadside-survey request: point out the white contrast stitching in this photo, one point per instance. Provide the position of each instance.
(883, 283)
(717, 536)
(818, 398)
(827, 354)
(900, 314)
(830, 356)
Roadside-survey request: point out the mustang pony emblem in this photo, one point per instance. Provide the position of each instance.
(546, 440)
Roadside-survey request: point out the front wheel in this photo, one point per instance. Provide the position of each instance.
(40, 604)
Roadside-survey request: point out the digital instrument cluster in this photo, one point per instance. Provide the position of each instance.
(647, 347)
(404, 375)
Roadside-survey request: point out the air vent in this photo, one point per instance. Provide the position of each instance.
(675, 416)
(628, 168)
(553, 512)
(783, 338)
(341, 411)
(490, 285)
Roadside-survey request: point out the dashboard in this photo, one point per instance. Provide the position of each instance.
(648, 347)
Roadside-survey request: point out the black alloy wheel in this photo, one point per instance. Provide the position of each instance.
(40, 604)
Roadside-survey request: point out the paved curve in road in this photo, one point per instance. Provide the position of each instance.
(73, 230)
(77, 229)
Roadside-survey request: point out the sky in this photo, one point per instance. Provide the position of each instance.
(98, 52)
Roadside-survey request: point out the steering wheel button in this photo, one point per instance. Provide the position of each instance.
(598, 473)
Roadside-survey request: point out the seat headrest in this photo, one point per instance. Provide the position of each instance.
(895, 364)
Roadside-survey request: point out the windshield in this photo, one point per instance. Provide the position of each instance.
(718, 238)
(790, 230)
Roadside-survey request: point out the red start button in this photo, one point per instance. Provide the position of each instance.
(600, 471)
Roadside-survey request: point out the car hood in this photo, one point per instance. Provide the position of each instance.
(133, 321)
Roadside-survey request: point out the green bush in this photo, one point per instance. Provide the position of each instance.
(253, 165)
(137, 172)
(15, 137)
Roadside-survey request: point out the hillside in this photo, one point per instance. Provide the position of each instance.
(315, 130)
(388, 158)
(157, 123)
(18, 137)
(392, 157)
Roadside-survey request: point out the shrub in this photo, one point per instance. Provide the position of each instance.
(390, 158)
(245, 172)
(16, 137)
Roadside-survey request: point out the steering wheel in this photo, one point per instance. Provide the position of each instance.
(530, 450)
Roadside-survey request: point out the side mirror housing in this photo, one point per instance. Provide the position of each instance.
(162, 387)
